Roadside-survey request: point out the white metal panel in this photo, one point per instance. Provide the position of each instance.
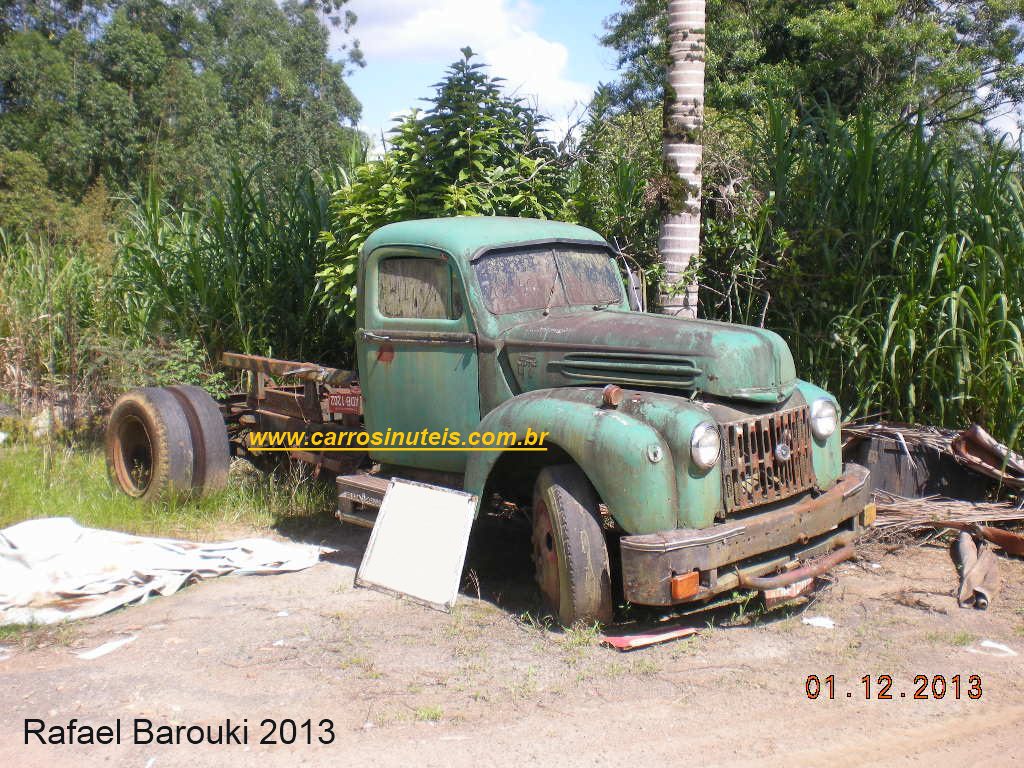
(418, 545)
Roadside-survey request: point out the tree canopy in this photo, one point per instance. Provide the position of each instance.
(121, 90)
(951, 58)
(474, 151)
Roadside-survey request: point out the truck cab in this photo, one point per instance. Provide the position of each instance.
(689, 445)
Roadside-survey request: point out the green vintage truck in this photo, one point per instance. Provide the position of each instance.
(684, 457)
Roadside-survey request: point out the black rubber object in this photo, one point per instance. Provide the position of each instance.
(149, 445)
(584, 592)
(211, 452)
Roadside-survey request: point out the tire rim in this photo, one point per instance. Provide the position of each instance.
(545, 556)
(133, 456)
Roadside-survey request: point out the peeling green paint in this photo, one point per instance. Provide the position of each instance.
(545, 371)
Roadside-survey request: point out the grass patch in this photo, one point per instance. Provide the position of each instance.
(429, 714)
(644, 667)
(958, 639)
(77, 486)
(526, 686)
(14, 632)
(31, 636)
(579, 636)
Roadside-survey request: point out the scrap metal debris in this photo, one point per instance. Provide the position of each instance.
(979, 571)
(977, 449)
(912, 460)
(973, 551)
(54, 570)
(635, 640)
(915, 460)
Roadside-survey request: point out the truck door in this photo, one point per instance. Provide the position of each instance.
(417, 354)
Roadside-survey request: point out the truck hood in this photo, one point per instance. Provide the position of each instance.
(639, 350)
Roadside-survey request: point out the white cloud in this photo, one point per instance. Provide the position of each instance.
(501, 31)
(1009, 123)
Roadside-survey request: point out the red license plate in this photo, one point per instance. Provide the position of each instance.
(346, 401)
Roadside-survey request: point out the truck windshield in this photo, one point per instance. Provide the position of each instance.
(547, 276)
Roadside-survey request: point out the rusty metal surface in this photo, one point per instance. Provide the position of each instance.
(977, 449)
(274, 367)
(756, 544)
(766, 459)
(290, 402)
(362, 488)
(809, 571)
(1012, 543)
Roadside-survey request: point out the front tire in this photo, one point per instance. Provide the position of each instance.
(569, 553)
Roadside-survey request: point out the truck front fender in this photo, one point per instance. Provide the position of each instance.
(629, 462)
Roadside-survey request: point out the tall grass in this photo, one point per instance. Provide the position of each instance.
(184, 285)
(895, 265)
(253, 499)
(240, 274)
(53, 307)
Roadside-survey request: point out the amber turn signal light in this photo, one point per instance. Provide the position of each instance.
(868, 515)
(685, 585)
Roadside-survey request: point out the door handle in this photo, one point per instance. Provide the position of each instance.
(371, 336)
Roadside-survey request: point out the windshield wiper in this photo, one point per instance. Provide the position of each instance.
(605, 304)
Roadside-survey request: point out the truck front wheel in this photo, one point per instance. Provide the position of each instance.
(569, 553)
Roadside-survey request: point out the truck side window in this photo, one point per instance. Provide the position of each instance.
(417, 288)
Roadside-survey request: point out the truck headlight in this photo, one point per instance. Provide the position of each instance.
(705, 445)
(824, 418)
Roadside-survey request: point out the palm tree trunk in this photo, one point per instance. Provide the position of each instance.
(683, 122)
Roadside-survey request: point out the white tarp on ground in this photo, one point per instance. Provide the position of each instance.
(54, 570)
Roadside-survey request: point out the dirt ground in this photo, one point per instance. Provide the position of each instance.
(490, 685)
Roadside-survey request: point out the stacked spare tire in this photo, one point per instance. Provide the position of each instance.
(167, 443)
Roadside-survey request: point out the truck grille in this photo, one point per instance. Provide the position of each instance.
(756, 469)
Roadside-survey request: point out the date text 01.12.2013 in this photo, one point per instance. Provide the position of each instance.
(881, 687)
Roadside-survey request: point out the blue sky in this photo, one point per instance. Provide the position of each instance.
(547, 50)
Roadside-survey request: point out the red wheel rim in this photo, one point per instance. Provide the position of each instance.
(545, 556)
(132, 455)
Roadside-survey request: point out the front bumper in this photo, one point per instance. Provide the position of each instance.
(753, 545)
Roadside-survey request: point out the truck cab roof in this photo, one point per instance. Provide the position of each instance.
(466, 237)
